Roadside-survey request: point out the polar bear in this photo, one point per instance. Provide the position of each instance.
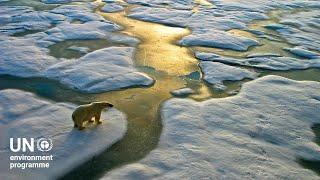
(86, 112)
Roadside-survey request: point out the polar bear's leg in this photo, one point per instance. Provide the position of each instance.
(91, 119)
(81, 127)
(97, 117)
(79, 123)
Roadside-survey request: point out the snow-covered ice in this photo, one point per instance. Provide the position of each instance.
(25, 115)
(215, 73)
(17, 19)
(83, 50)
(219, 39)
(99, 71)
(257, 134)
(57, 24)
(28, 55)
(302, 28)
(303, 53)
(102, 70)
(271, 62)
(212, 34)
(88, 30)
(83, 12)
(182, 92)
(21, 57)
(112, 7)
(59, 1)
(274, 26)
(263, 55)
(161, 15)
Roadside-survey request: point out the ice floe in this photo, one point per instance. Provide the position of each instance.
(258, 134)
(17, 19)
(212, 34)
(82, 12)
(176, 4)
(226, 15)
(112, 7)
(302, 28)
(219, 39)
(303, 53)
(215, 73)
(88, 30)
(28, 55)
(271, 62)
(91, 30)
(182, 92)
(22, 57)
(102, 70)
(216, 22)
(161, 15)
(263, 55)
(24, 115)
(57, 1)
(57, 24)
(83, 50)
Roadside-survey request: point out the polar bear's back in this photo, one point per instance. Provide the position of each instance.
(82, 110)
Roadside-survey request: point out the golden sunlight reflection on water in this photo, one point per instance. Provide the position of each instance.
(158, 56)
(158, 49)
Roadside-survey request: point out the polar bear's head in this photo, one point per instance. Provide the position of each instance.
(103, 104)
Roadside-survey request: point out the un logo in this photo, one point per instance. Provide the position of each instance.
(44, 144)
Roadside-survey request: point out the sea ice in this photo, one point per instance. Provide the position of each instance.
(212, 34)
(302, 28)
(24, 115)
(21, 57)
(79, 12)
(215, 73)
(112, 7)
(57, 1)
(161, 15)
(17, 19)
(99, 71)
(83, 50)
(88, 30)
(28, 55)
(208, 25)
(303, 53)
(182, 92)
(219, 39)
(263, 55)
(271, 62)
(258, 134)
